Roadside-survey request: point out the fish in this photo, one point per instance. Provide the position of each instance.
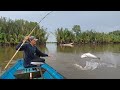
(89, 55)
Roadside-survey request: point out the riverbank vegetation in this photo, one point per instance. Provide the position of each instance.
(77, 36)
(13, 31)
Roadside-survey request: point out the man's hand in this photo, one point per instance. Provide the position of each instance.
(51, 57)
(26, 38)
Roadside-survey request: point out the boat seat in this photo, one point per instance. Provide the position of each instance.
(26, 72)
(30, 72)
(39, 69)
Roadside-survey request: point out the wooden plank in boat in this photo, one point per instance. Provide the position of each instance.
(25, 73)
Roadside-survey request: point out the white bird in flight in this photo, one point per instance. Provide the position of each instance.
(89, 55)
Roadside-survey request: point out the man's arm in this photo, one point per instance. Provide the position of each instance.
(24, 45)
(22, 48)
(39, 53)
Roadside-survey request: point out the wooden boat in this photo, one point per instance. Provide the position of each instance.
(43, 71)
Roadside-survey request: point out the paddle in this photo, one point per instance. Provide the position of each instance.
(25, 41)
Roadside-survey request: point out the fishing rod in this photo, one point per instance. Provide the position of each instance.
(25, 39)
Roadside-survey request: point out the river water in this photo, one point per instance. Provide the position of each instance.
(67, 60)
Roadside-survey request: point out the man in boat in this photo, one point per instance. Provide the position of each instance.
(31, 52)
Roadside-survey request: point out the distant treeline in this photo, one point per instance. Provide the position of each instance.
(75, 35)
(13, 31)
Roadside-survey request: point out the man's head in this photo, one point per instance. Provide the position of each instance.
(32, 40)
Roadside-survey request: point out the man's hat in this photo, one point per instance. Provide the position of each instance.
(32, 38)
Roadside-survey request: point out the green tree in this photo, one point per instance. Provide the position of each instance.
(76, 29)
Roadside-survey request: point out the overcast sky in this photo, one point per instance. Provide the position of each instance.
(101, 21)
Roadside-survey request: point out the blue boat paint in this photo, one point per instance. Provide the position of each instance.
(50, 73)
